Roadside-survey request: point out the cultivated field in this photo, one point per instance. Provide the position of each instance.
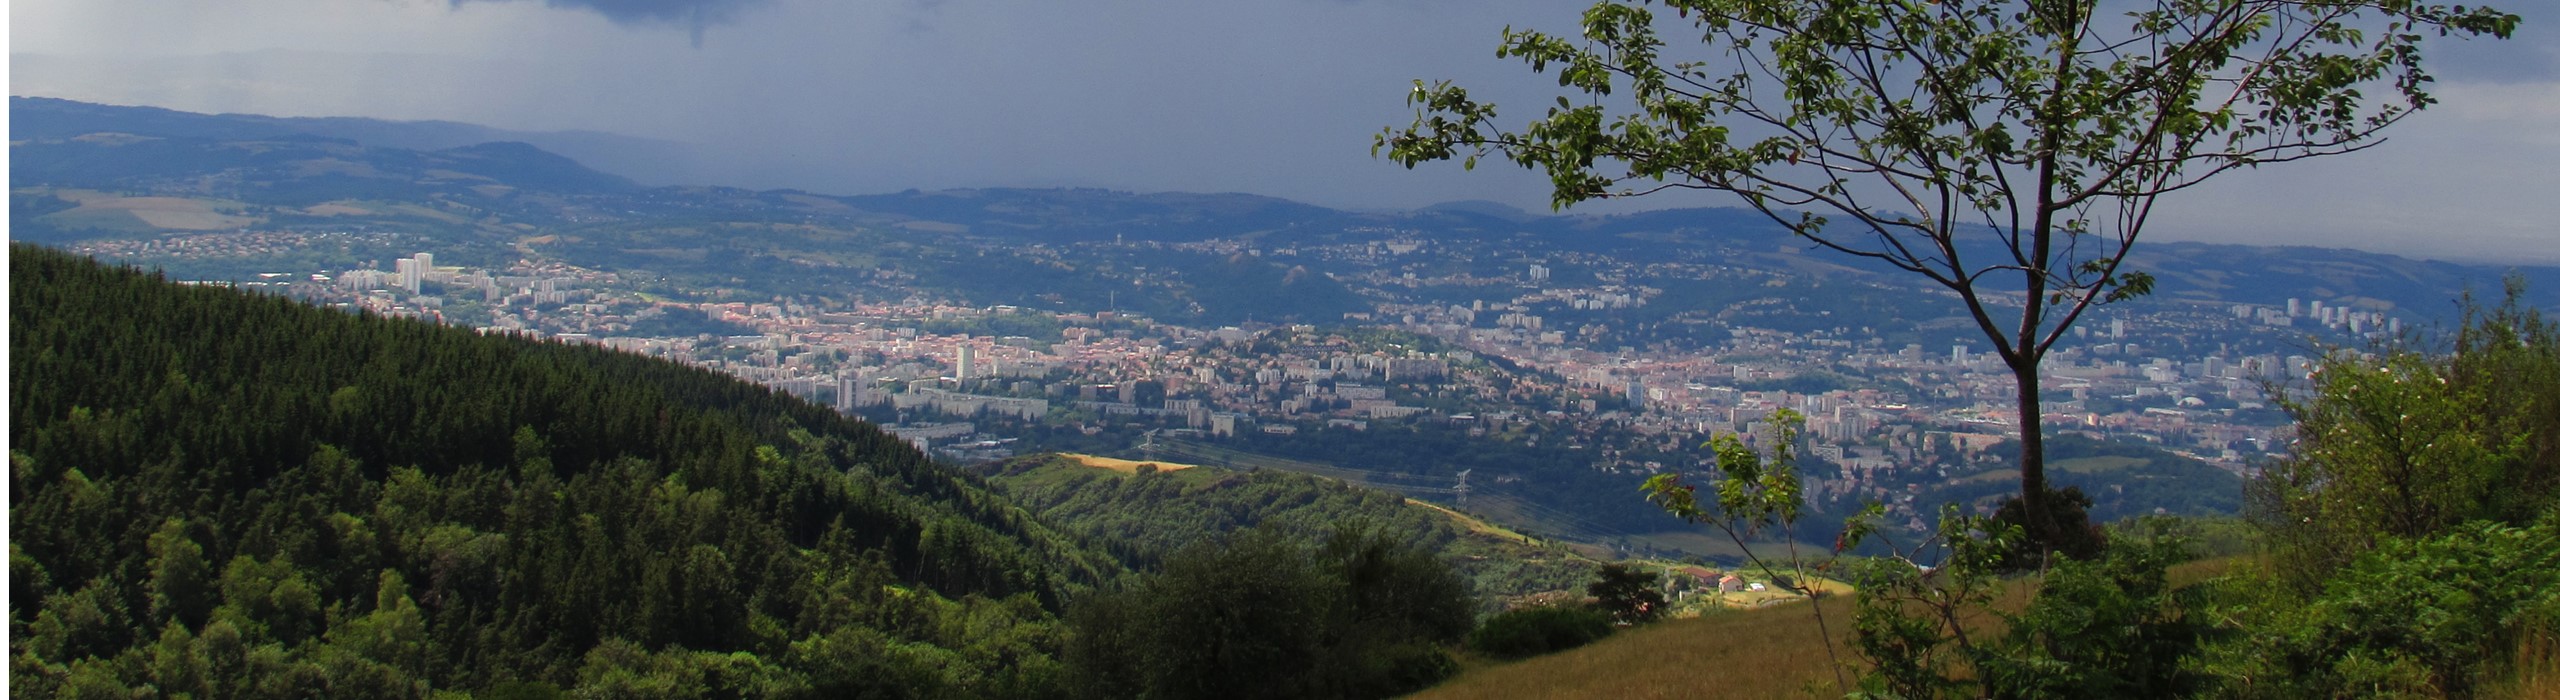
(1124, 466)
(103, 211)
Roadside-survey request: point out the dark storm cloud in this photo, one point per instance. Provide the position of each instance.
(1280, 98)
(695, 15)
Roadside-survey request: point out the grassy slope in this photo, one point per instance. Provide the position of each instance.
(1063, 489)
(1775, 652)
(1126, 466)
(1471, 523)
(1509, 513)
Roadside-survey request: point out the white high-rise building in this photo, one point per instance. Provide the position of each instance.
(413, 271)
(968, 364)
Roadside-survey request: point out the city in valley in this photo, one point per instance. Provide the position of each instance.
(1882, 420)
(1081, 351)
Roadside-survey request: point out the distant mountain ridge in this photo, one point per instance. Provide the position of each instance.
(34, 118)
(297, 162)
(295, 168)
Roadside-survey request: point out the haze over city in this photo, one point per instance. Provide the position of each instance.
(1271, 98)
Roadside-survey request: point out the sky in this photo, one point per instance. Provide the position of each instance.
(1275, 97)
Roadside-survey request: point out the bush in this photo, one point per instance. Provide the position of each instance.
(2433, 616)
(2411, 443)
(2073, 537)
(1627, 593)
(1541, 630)
(1260, 615)
(2109, 628)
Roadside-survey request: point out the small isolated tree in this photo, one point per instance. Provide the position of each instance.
(2010, 151)
(1627, 593)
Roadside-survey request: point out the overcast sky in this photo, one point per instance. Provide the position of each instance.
(1277, 97)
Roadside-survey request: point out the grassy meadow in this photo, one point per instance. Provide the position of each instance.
(1771, 652)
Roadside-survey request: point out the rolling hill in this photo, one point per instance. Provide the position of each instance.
(221, 494)
(1144, 513)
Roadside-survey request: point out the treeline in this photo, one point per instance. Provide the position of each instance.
(1147, 516)
(225, 495)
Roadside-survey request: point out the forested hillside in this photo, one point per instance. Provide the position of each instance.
(228, 495)
(1146, 515)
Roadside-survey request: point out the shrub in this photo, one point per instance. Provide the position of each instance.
(1260, 615)
(2073, 536)
(2411, 443)
(1541, 630)
(2428, 616)
(1627, 594)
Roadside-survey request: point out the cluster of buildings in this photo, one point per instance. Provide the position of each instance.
(1913, 412)
(2329, 315)
(243, 244)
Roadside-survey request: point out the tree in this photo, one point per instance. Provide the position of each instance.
(1261, 615)
(2010, 151)
(1627, 593)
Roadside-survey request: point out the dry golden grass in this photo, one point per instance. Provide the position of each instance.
(112, 212)
(1471, 523)
(2537, 668)
(1771, 653)
(1124, 466)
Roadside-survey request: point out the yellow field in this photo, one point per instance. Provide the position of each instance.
(108, 211)
(1123, 466)
(1472, 524)
(336, 209)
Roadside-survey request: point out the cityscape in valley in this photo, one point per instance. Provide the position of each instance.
(975, 383)
(938, 351)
